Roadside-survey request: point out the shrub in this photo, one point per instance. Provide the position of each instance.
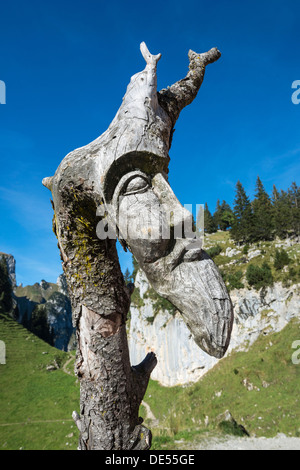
(259, 276)
(234, 280)
(246, 249)
(291, 277)
(281, 259)
(231, 427)
(136, 299)
(293, 273)
(158, 302)
(214, 251)
(224, 275)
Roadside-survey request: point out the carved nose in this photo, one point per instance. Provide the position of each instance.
(180, 219)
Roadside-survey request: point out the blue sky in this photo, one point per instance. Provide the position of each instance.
(66, 65)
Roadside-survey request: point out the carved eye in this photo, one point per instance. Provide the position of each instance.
(137, 184)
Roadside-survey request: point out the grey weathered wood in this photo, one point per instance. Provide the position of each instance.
(124, 171)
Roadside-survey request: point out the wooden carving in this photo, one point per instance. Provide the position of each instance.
(117, 186)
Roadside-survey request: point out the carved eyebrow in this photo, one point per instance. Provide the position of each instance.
(127, 185)
(136, 184)
(146, 162)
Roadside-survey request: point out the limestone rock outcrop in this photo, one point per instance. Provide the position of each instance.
(180, 361)
(47, 301)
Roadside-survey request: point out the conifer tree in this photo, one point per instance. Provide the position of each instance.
(227, 216)
(241, 230)
(209, 223)
(218, 214)
(263, 214)
(294, 197)
(223, 215)
(127, 276)
(281, 213)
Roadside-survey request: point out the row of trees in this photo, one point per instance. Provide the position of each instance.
(264, 218)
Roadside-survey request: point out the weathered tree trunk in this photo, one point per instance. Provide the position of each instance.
(137, 142)
(110, 389)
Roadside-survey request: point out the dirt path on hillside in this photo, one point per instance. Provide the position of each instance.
(279, 442)
(66, 365)
(150, 415)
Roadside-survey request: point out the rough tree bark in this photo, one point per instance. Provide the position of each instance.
(138, 139)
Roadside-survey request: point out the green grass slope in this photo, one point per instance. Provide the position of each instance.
(236, 265)
(36, 404)
(259, 387)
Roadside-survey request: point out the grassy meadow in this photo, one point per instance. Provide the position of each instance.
(36, 404)
(260, 388)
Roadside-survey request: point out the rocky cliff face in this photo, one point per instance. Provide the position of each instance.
(11, 267)
(59, 315)
(180, 361)
(8, 284)
(262, 312)
(43, 306)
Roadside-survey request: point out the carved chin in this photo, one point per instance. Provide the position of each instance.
(214, 342)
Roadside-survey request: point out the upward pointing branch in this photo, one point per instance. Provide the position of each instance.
(174, 98)
(149, 58)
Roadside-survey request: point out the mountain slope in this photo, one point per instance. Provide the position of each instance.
(36, 403)
(259, 387)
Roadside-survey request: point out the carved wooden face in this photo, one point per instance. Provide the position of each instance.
(158, 231)
(126, 167)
